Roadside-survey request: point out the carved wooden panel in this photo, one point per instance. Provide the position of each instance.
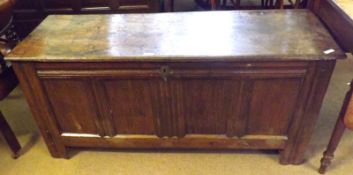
(272, 104)
(203, 105)
(134, 105)
(73, 105)
(248, 105)
(182, 101)
(235, 102)
(241, 105)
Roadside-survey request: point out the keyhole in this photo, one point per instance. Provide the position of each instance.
(164, 73)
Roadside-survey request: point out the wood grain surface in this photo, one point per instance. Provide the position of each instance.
(232, 35)
(338, 19)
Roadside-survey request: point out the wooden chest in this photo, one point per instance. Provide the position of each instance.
(195, 80)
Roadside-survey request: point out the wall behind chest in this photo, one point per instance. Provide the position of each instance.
(29, 13)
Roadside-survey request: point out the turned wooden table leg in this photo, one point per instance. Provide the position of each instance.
(169, 5)
(280, 4)
(296, 4)
(342, 123)
(213, 4)
(335, 138)
(9, 136)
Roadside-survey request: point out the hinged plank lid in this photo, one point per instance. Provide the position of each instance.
(218, 35)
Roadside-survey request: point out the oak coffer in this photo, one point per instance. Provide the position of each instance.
(194, 80)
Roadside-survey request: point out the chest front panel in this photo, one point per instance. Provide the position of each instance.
(168, 100)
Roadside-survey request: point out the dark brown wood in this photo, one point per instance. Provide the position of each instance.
(338, 131)
(338, 19)
(5, 13)
(9, 136)
(348, 118)
(237, 4)
(213, 4)
(200, 142)
(169, 5)
(179, 38)
(149, 87)
(33, 90)
(8, 81)
(303, 127)
(80, 120)
(29, 13)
